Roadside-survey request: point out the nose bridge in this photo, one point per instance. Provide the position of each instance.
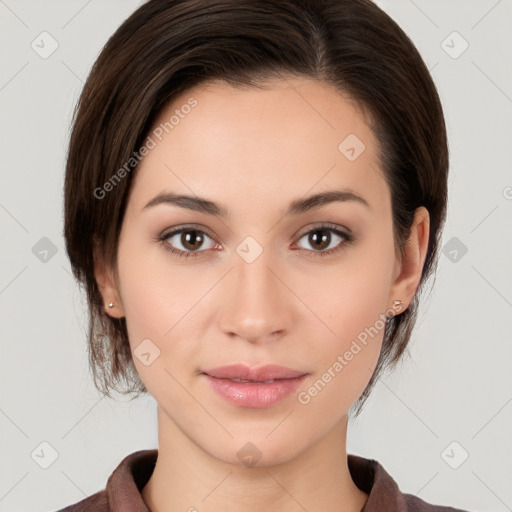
(255, 307)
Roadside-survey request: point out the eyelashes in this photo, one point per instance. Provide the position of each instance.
(324, 234)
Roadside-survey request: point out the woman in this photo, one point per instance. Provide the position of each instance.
(254, 197)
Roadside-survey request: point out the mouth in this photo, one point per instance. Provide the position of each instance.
(254, 388)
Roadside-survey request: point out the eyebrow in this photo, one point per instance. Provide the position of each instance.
(302, 205)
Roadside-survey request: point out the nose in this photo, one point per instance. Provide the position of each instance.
(256, 304)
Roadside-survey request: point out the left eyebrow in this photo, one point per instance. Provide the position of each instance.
(302, 205)
(317, 200)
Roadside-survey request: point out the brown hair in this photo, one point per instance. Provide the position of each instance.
(167, 46)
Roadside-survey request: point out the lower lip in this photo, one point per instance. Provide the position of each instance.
(256, 395)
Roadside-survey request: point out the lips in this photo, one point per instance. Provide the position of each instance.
(263, 374)
(255, 388)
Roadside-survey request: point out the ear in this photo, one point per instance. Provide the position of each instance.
(105, 277)
(409, 267)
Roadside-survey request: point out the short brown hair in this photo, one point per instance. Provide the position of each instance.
(167, 46)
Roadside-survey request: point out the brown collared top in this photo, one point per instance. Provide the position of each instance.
(123, 490)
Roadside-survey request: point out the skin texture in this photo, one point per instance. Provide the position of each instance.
(255, 151)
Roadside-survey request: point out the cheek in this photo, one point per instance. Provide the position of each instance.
(155, 296)
(163, 302)
(156, 301)
(353, 295)
(351, 299)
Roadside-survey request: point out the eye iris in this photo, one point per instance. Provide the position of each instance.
(322, 241)
(194, 236)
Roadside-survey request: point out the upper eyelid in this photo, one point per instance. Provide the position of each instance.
(325, 225)
(175, 231)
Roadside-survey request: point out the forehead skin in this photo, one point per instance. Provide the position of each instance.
(239, 147)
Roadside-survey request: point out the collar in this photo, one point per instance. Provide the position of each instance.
(125, 484)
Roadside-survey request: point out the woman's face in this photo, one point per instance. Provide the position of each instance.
(258, 283)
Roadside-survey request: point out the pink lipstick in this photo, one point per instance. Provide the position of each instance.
(254, 387)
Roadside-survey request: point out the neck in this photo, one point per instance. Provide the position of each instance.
(188, 478)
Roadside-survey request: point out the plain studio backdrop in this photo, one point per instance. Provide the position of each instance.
(440, 424)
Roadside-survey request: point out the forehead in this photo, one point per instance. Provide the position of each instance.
(291, 136)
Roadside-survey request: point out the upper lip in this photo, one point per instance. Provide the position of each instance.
(262, 373)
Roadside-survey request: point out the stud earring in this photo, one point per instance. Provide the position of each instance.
(110, 305)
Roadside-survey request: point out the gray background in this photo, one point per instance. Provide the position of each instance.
(454, 388)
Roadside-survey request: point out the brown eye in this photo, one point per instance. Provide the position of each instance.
(319, 239)
(191, 240)
(186, 242)
(325, 240)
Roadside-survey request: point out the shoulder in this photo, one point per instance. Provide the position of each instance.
(97, 502)
(123, 488)
(415, 504)
(384, 494)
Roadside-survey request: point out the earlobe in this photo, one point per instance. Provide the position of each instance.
(411, 264)
(108, 287)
